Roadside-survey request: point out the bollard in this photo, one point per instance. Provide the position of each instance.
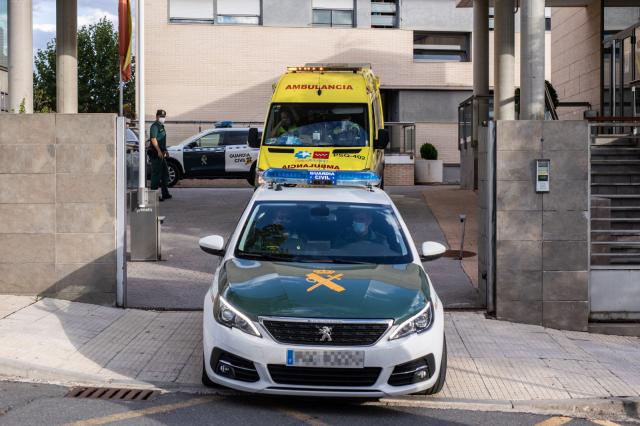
(463, 219)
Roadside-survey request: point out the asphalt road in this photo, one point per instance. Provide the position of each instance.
(182, 278)
(39, 404)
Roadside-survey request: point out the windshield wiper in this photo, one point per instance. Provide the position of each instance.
(338, 260)
(266, 256)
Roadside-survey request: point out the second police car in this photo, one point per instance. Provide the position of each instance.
(321, 291)
(221, 152)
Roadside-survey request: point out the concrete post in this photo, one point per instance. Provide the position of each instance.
(67, 56)
(532, 29)
(504, 59)
(480, 47)
(20, 56)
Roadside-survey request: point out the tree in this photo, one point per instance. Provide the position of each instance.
(98, 71)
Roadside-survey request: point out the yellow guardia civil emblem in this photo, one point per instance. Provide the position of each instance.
(324, 277)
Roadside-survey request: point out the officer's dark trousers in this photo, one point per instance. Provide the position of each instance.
(160, 175)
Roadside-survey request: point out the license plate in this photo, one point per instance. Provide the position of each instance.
(321, 177)
(330, 359)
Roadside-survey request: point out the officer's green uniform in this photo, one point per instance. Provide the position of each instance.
(159, 170)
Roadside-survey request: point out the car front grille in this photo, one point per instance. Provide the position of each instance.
(340, 333)
(313, 376)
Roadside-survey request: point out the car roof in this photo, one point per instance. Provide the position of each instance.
(355, 195)
(214, 129)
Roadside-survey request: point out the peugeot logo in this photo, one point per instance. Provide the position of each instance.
(325, 334)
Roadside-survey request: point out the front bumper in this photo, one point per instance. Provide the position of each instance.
(263, 351)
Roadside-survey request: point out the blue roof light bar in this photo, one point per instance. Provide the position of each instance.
(321, 177)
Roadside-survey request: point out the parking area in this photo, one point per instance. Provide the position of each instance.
(205, 207)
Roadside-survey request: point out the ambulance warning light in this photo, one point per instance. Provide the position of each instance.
(321, 177)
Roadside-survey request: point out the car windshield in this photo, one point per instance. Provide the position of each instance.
(323, 232)
(317, 124)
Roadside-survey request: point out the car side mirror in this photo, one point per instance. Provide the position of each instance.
(253, 140)
(383, 139)
(213, 244)
(432, 251)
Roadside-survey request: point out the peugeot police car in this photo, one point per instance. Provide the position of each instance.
(325, 117)
(320, 291)
(221, 152)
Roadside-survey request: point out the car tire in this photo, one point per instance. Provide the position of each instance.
(206, 381)
(175, 174)
(252, 175)
(442, 375)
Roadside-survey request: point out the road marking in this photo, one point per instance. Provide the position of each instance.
(604, 422)
(554, 421)
(305, 418)
(141, 413)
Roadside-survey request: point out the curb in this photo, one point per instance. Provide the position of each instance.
(619, 408)
(623, 408)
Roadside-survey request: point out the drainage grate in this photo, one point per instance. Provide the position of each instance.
(112, 393)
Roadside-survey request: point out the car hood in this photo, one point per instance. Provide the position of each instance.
(306, 290)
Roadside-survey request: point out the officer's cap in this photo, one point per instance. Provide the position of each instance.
(161, 113)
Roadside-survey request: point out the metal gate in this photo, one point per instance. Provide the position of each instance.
(614, 197)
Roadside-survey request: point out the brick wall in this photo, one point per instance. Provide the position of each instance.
(57, 206)
(398, 174)
(576, 53)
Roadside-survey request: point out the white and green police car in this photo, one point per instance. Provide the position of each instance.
(213, 153)
(320, 291)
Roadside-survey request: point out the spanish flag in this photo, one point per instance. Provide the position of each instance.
(124, 38)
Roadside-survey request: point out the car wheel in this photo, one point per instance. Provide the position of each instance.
(442, 376)
(252, 175)
(174, 173)
(206, 380)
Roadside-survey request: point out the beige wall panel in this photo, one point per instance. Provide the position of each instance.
(575, 62)
(209, 72)
(444, 136)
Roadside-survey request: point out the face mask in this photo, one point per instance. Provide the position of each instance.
(161, 120)
(359, 227)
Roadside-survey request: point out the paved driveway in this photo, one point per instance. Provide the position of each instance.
(181, 279)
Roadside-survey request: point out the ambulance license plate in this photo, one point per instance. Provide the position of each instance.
(321, 177)
(331, 359)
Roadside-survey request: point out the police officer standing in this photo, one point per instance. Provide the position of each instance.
(158, 154)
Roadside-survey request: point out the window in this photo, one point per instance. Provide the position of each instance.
(211, 140)
(441, 47)
(337, 232)
(333, 13)
(317, 124)
(238, 12)
(218, 11)
(191, 11)
(235, 138)
(383, 13)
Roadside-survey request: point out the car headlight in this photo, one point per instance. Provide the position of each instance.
(418, 323)
(229, 316)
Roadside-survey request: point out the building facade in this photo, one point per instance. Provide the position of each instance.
(217, 59)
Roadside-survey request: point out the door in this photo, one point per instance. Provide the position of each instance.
(205, 156)
(238, 155)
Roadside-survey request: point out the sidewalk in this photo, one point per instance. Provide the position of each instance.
(75, 343)
(447, 202)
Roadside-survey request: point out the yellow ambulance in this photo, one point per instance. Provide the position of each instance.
(324, 117)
